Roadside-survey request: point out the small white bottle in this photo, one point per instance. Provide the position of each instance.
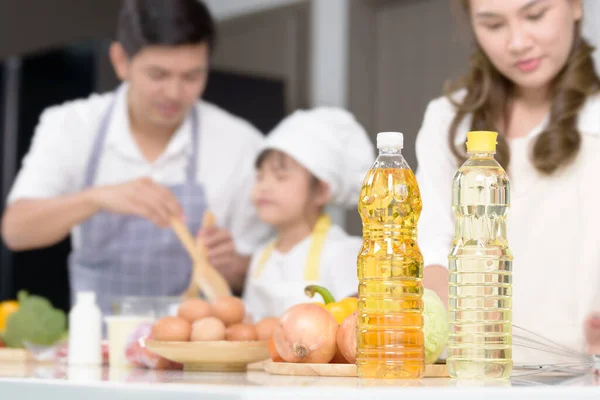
(85, 331)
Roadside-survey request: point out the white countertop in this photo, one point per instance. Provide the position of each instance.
(34, 381)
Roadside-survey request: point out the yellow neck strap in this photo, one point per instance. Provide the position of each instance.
(318, 236)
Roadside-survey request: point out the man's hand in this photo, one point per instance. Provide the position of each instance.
(142, 197)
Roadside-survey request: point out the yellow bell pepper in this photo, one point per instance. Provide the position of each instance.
(340, 310)
(6, 309)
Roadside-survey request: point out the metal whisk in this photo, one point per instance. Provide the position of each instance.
(569, 361)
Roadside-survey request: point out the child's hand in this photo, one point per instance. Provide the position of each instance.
(223, 255)
(592, 333)
(219, 245)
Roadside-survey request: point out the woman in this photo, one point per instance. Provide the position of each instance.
(532, 79)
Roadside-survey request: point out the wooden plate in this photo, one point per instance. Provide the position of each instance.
(221, 356)
(337, 370)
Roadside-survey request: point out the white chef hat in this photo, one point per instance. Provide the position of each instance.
(331, 144)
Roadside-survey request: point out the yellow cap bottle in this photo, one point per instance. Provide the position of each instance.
(480, 267)
(481, 142)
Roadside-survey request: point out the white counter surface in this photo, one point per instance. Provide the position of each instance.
(32, 381)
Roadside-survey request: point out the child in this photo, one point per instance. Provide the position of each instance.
(312, 159)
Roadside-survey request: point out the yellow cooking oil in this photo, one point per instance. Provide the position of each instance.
(390, 268)
(480, 266)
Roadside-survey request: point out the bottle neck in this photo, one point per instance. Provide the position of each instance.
(390, 151)
(481, 154)
(86, 299)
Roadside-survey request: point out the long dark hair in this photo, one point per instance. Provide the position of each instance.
(487, 96)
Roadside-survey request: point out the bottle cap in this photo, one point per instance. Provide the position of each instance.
(481, 141)
(86, 297)
(390, 140)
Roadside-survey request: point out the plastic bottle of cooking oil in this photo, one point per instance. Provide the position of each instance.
(390, 268)
(480, 262)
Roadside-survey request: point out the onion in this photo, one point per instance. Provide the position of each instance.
(275, 357)
(338, 358)
(306, 334)
(347, 336)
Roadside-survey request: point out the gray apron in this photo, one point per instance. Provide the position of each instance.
(126, 255)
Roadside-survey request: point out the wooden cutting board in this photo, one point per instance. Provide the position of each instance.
(257, 366)
(15, 355)
(337, 370)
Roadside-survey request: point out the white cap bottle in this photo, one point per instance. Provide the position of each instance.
(85, 331)
(390, 140)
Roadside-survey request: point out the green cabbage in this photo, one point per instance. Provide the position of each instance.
(436, 326)
(36, 322)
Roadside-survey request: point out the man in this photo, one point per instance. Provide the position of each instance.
(114, 169)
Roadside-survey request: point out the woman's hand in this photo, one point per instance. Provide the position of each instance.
(592, 333)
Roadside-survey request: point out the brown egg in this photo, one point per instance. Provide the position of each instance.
(265, 328)
(229, 309)
(171, 329)
(208, 329)
(241, 333)
(194, 309)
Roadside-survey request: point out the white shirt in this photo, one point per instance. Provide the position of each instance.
(552, 225)
(281, 283)
(56, 162)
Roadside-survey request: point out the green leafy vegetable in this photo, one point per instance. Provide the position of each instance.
(436, 326)
(36, 322)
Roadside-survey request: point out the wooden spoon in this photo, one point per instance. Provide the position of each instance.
(206, 272)
(204, 278)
